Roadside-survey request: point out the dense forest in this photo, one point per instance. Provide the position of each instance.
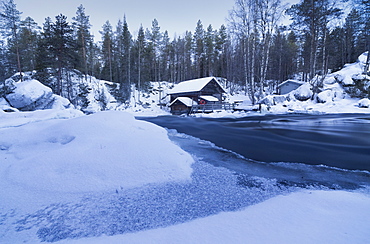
(254, 50)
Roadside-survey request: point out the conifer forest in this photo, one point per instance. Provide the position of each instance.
(263, 43)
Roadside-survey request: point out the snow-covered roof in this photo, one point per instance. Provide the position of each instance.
(210, 98)
(291, 81)
(186, 101)
(193, 85)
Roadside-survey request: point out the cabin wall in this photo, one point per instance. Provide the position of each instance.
(179, 108)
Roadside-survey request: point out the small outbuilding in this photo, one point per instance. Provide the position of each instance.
(288, 86)
(182, 105)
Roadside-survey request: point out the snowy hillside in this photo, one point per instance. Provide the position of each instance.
(89, 95)
(344, 91)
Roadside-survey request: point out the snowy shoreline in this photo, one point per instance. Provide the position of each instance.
(53, 159)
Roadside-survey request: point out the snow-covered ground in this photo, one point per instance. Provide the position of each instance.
(66, 177)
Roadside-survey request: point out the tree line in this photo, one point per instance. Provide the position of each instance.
(254, 51)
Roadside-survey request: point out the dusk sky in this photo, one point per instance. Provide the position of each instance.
(174, 16)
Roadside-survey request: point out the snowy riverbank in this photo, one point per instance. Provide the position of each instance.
(66, 177)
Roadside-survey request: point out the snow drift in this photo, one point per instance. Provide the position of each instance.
(103, 151)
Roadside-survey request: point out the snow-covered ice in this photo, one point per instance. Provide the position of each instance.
(302, 217)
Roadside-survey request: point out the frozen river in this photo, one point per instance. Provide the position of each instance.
(341, 141)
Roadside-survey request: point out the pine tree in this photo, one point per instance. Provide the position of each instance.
(351, 35)
(189, 71)
(107, 51)
(155, 37)
(28, 43)
(199, 49)
(63, 50)
(10, 18)
(209, 50)
(312, 18)
(140, 50)
(44, 56)
(221, 49)
(165, 50)
(123, 46)
(83, 37)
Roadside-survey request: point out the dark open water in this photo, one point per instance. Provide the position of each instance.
(339, 140)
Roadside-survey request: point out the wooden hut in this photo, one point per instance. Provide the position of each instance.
(198, 92)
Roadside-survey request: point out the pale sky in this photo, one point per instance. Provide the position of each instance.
(173, 16)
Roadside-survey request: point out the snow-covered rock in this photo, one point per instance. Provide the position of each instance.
(5, 106)
(330, 95)
(303, 93)
(279, 99)
(363, 58)
(364, 103)
(268, 100)
(59, 102)
(325, 96)
(29, 95)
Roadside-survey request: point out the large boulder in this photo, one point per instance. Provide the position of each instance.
(304, 92)
(279, 99)
(364, 103)
(325, 96)
(29, 95)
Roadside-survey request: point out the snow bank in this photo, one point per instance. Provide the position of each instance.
(100, 152)
(17, 119)
(301, 217)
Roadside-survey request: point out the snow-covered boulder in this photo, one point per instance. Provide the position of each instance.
(303, 93)
(330, 80)
(29, 95)
(347, 80)
(364, 103)
(268, 100)
(363, 58)
(59, 102)
(279, 99)
(325, 96)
